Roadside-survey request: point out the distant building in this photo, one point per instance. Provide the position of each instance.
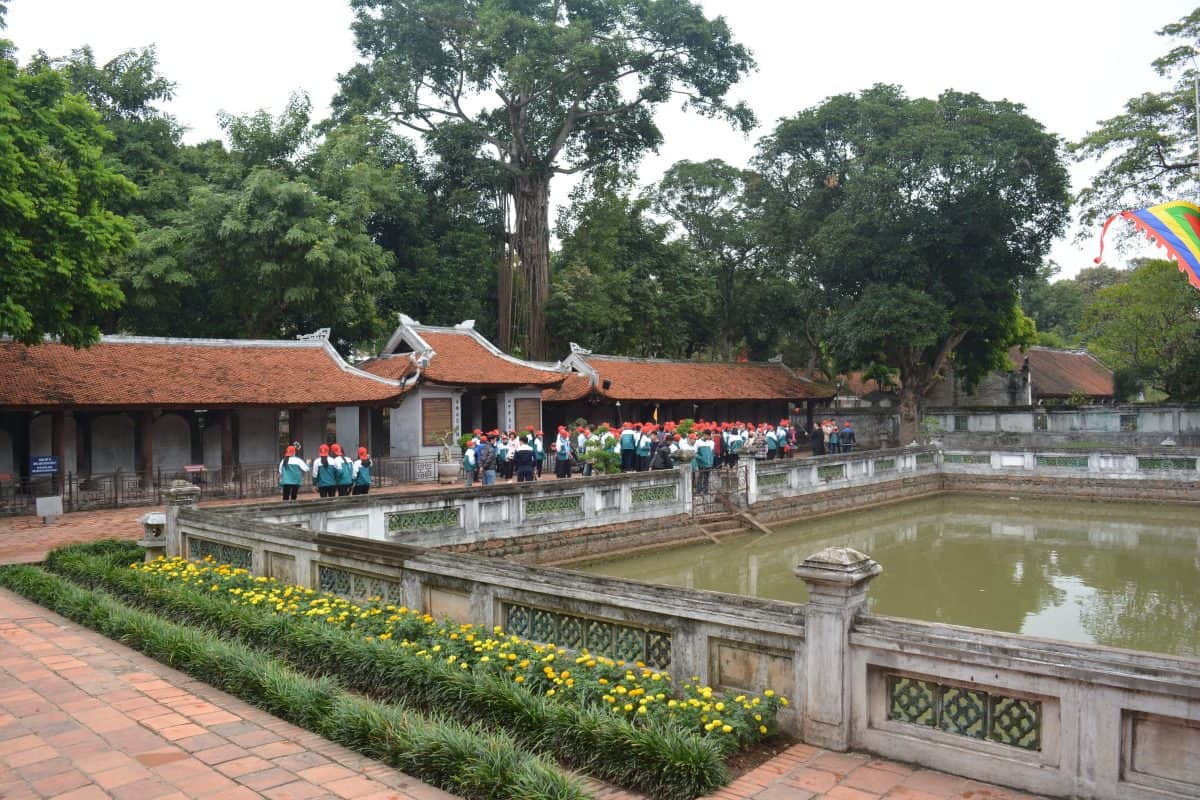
(459, 381)
(1040, 376)
(613, 389)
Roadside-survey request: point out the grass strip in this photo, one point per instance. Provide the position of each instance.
(658, 760)
(470, 762)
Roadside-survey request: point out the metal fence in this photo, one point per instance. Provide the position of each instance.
(140, 488)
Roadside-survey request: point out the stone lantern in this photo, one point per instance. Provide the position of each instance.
(154, 534)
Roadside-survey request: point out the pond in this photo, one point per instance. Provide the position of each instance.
(1117, 574)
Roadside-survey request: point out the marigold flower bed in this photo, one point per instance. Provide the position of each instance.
(629, 690)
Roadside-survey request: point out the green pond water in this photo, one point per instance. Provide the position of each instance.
(1117, 574)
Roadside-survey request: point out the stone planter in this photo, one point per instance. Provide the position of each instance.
(447, 472)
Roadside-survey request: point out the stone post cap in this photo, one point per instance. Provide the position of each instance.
(841, 566)
(182, 493)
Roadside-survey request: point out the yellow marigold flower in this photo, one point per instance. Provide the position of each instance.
(671, 704)
(727, 728)
(768, 693)
(720, 706)
(758, 717)
(550, 693)
(608, 698)
(602, 681)
(762, 729)
(629, 706)
(741, 698)
(783, 701)
(519, 679)
(642, 710)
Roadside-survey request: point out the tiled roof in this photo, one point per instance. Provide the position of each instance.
(659, 379)
(858, 385)
(124, 372)
(1061, 373)
(575, 387)
(460, 358)
(396, 367)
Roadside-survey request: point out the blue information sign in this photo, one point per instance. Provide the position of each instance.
(43, 465)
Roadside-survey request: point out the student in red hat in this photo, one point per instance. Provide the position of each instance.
(324, 472)
(362, 472)
(345, 470)
(291, 472)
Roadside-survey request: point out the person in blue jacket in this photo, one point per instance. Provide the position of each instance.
(324, 472)
(345, 470)
(628, 448)
(291, 472)
(362, 472)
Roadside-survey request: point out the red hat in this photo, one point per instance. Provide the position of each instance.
(477, 431)
(627, 425)
(336, 448)
(562, 428)
(539, 433)
(323, 450)
(362, 452)
(529, 428)
(678, 437)
(483, 437)
(291, 451)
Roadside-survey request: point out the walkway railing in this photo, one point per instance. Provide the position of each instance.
(125, 488)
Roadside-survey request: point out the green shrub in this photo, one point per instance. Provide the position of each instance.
(660, 760)
(468, 761)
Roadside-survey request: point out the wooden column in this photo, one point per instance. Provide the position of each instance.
(295, 421)
(57, 426)
(227, 457)
(83, 444)
(364, 427)
(145, 426)
(195, 438)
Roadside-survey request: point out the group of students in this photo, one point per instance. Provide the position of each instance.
(334, 474)
(503, 454)
(645, 446)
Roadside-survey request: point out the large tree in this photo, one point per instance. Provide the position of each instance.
(58, 228)
(917, 217)
(1150, 150)
(276, 241)
(620, 284)
(708, 201)
(1148, 327)
(551, 87)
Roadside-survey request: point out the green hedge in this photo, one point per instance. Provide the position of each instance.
(467, 761)
(660, 761)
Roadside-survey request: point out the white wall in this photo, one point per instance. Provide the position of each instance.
(257, 438)
(405, 422)
(172, 443)
(112, 443)
(347, 429)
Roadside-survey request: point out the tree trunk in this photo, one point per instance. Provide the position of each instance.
(531, 204)
(504, 288)
(909, 409)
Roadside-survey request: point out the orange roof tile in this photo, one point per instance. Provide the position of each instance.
(575, 387)
(124, 372)
(460, 358)
(660, 379)
(1061, 373)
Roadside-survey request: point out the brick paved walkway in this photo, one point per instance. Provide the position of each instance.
(83, 717)
(25, 540)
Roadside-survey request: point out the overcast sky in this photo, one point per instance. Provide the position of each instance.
(1070, 63)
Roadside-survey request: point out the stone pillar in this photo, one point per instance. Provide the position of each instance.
(683, 474)
(837, 579)
(751, 466)
(181, 495)
(364, 429)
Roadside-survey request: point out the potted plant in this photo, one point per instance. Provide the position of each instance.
(447, 467)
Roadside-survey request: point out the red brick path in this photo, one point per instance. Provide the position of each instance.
(84, 717)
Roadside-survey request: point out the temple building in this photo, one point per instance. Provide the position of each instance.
(614, 389)
(459, 382)
(1040, 376)
(160, 405)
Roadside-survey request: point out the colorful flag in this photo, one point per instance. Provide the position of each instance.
(1172, 226)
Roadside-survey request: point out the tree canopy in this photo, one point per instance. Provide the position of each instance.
(59, 226)
(549, 86)
(917, 217)
(1149, 151)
